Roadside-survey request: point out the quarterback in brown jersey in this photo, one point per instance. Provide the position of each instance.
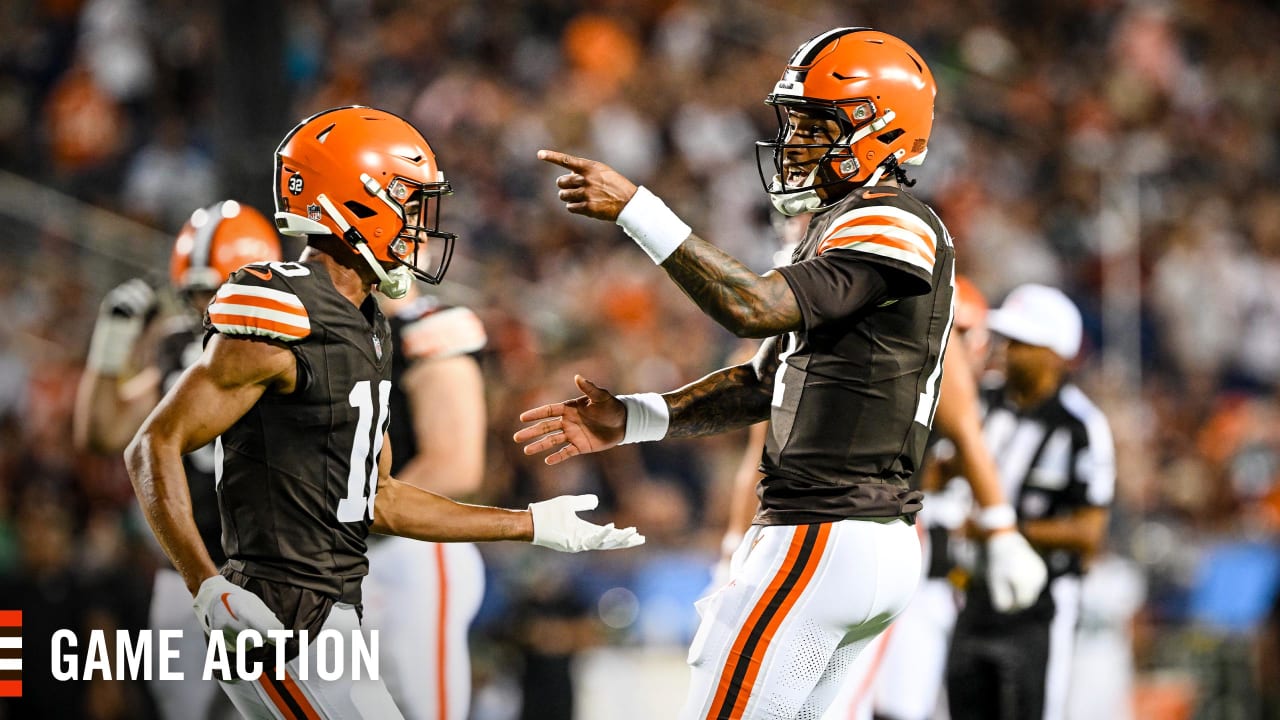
(292, 388)
(848, 376)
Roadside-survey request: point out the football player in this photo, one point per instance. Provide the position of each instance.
(113, 400)
(293, 388)
(424, 595)
(848, 376)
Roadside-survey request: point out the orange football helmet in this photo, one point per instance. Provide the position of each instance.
(877, 90)
(368, 177)
(216, 242)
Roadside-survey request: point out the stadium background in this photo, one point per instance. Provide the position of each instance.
(1124, 151)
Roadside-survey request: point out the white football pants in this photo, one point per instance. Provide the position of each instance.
(801, 603)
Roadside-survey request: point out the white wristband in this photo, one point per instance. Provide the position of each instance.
(647, 417)
(996, 517)
(112, 344)
(655, 228)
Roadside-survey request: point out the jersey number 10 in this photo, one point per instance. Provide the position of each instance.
(362, 477)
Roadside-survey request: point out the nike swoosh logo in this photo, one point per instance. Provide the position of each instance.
(263, 276)
(873, 196)
(224, 595)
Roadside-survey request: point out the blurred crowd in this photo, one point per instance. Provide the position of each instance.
(1125, 151)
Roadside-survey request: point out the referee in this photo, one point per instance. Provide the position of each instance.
(1056, 460)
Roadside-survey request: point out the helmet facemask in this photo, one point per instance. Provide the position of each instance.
(418, 204)
(794, 187)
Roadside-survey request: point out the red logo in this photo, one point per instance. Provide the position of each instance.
(10, 653)
(263, 276)
(227, 605)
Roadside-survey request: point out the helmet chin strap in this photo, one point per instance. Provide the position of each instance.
(805, 201)
(393, 284)
(797, 203)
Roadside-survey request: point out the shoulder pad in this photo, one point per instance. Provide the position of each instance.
(443, 332)
(257, 300)
(884, 230)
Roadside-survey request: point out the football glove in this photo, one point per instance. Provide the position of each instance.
(1015, 572)
(224, 607)
(556, 525)
(124, 312)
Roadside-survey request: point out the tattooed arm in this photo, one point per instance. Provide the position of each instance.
(745, 303)
(727, 399)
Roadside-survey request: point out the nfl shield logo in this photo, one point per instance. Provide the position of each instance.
(377, 347)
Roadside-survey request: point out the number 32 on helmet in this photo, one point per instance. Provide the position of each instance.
(370, 178)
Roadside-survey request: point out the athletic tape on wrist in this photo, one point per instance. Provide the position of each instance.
(647, 417)
(996, 517)
(112, 344)
(655, 228)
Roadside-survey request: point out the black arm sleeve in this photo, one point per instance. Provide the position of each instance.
(837, 284)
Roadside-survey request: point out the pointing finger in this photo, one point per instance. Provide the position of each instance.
(571, 162)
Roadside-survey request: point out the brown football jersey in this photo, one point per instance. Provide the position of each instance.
(297, 475)
(856, 388)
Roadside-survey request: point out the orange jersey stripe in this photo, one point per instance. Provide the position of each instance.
(840, 237)
(264, 303)
(753, 670)
(10, 618)
(881, 221)
(877, 240)
(292, 331)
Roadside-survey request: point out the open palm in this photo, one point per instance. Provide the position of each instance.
(590, 423)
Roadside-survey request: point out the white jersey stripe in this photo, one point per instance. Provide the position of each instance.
(889, 231)
(279, 296)
(252, 311)
(230, 328)
(913, 221)
(875, 248)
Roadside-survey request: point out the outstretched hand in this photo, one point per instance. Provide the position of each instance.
(556, 525)
(590, 188)
(590, 423)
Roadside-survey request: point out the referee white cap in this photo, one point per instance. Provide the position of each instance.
(1039, 315)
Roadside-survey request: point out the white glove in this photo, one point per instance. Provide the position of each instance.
(1015, 572)
(222, 606)
(556, 525)
(123, 313)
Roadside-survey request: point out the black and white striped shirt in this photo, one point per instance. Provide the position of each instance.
(1053, 460)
